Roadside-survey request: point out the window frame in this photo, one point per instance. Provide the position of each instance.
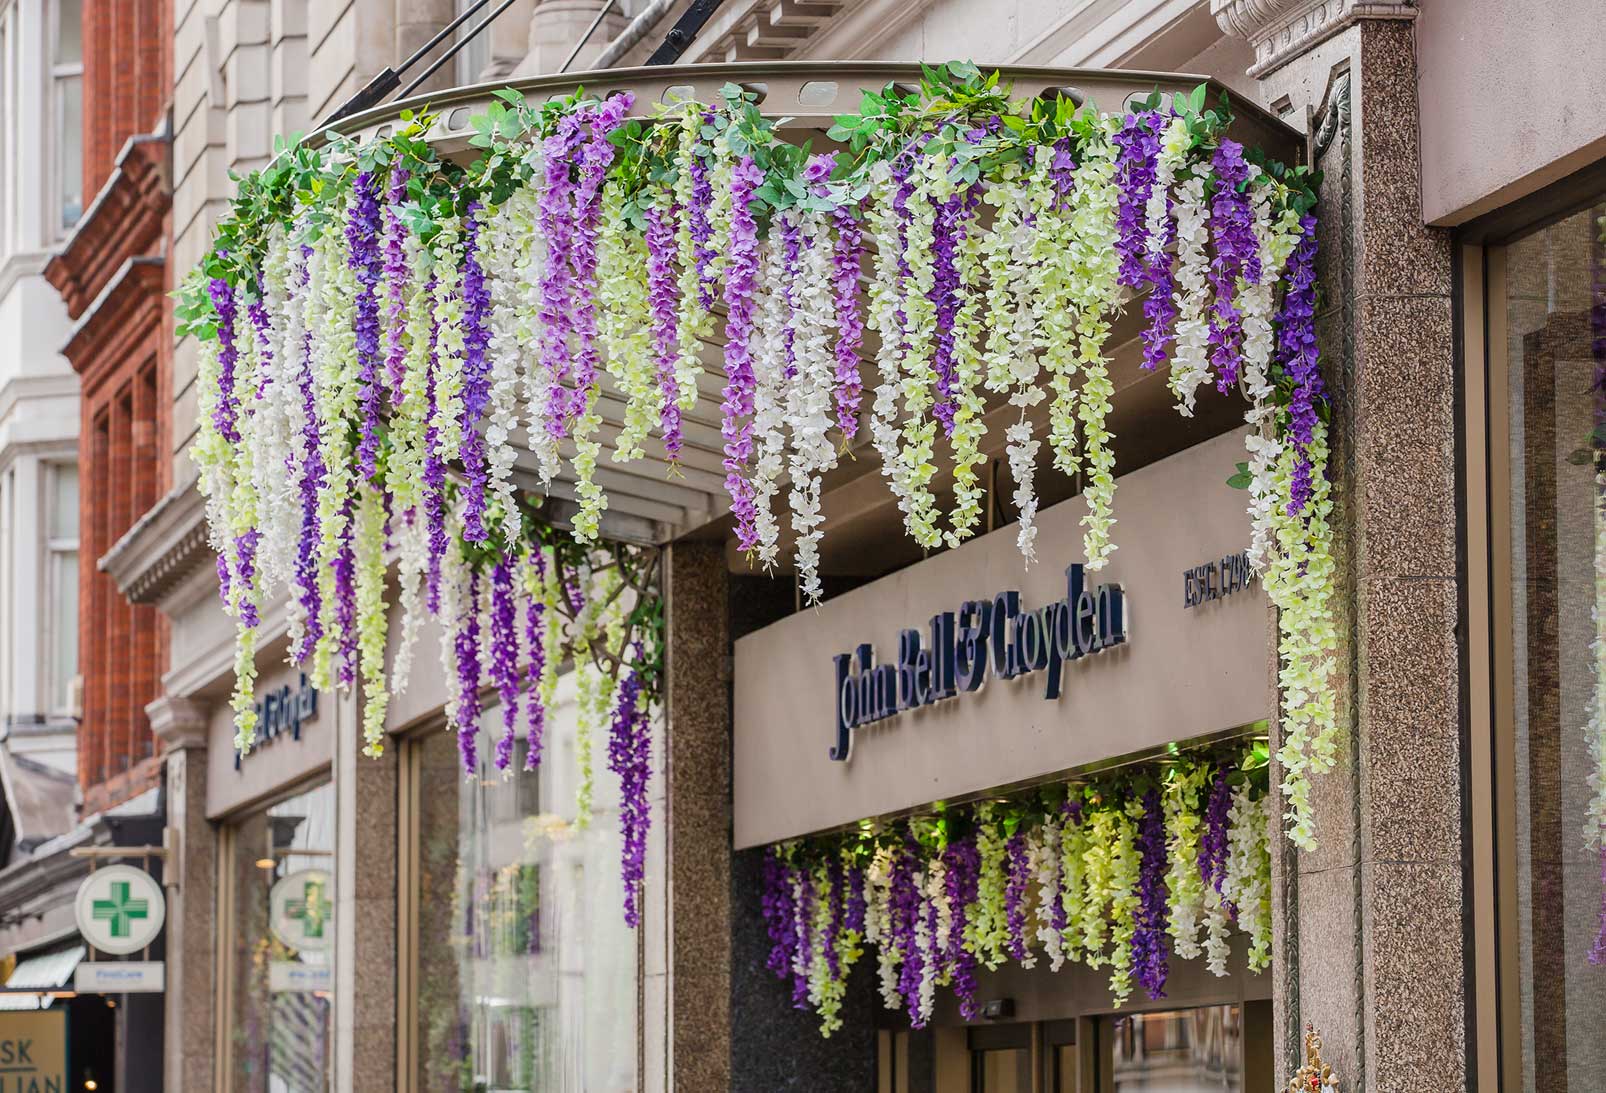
(57, 688)
(57, 76)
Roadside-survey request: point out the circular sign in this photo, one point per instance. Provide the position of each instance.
(301, 911)
(120, 909)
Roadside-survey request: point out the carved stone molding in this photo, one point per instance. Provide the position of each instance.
(178, 722)
(1280, 30)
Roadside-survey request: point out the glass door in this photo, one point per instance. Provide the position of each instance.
(1173, 1051)
(1001, 1059)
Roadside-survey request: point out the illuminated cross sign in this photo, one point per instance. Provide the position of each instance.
(995, 637)
(121, 909)
(311, 910)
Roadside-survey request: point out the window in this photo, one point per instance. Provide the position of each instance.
(525, 970)
(67, 107)
(1177, 1051)
(61, 585)
(1546, 346)
(280, 864)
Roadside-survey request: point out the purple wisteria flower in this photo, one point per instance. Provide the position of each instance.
(434, 467)
(535, 638)
(1213, 841)
(312, 479)
(630, 757)
(245, 553)
(791, 274)
(803, 921)
(1017, 876)
(476, 378)
(1137, 148)
(903, 176)
(466, 642)
(1149, 945)
(741, 279)
(663, 302)
(397, 276)
(961, 882)
(1299, 359)
(775, 902)
(1237, 257)
(595, 160)
(257, 311)
(702, 228)
(367, 265)
(226, 413)
(504, 656)
(555, 213)
(949, 228)
(1062, 173)
(345, 571)
(904, 904)
(857, 905)
(849, 317)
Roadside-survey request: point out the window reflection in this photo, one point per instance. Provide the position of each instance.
(1179, 1051)
(527, 973)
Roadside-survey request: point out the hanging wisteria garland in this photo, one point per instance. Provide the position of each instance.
(1122, 872)
(380, 322)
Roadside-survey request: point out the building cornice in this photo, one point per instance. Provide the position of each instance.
(1280, 30)
(163, 547)
(106, 324)
(125, 219)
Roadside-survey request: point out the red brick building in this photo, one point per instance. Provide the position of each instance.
(113, 275)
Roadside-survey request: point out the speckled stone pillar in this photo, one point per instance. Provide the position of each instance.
(697, 1038)
(191, 883)
(1371, 939)
(365, 909)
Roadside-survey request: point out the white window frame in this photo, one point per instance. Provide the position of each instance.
(57, 76)
(56, 684)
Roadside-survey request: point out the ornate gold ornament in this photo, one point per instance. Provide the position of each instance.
(1315, 1076)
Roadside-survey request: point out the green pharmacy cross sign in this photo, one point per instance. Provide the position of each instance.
(120, 909)
(301, 911)
(312, 909)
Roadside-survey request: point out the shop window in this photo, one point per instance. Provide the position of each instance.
(525, 970)
(1546, 316)
(1175, 1051)
(280, 896)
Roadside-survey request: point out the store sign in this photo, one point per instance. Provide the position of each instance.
(940, 696)
(33, 1051)
(997, 638)
(282, 712)
(1216, 579)
(301, 911)
(120, 977)
(120, 909)
(295, 977)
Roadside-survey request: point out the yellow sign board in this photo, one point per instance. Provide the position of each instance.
(33, 1051)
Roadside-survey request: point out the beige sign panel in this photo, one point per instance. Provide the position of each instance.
(1193, 661)
(295, 738)
(33, 1051)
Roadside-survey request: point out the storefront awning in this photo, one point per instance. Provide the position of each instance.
(45, 972)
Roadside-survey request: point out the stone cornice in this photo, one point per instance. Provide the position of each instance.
(105, 326)
(178, 722)
(1280, 30)
(124, 220)
(163, 547)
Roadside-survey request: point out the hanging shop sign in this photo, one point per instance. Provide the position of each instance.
(301, 910)
(997, 637)
(915, 694)
(120, 977)
(120, 909)
(33, 1051)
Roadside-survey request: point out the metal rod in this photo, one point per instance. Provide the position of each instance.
(684, 32)
(387, 80)
(586, 37)
(440, 36)
(456, 46)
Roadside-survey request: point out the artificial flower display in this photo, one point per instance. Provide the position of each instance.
(1122, 872)
(388, 336)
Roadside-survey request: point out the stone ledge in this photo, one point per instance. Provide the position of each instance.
(1280, 30)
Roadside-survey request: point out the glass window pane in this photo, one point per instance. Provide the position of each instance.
(69, 32)
(1555, 324)
(527, 972)
(1008, 1070)
(283, 935)
(64, 501)
(1179, 1051)
(69, 137)
(63, 584)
